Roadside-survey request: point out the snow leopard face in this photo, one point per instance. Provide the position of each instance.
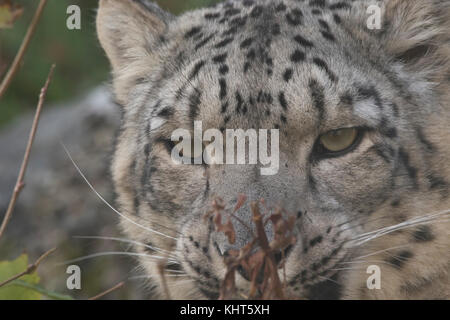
(362, 116)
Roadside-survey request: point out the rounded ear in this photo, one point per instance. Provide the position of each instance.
(129, 32)
(417, 33)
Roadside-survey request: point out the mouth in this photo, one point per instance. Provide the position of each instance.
(328, 289)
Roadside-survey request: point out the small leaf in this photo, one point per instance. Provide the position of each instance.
(39, 289)
(11, 291)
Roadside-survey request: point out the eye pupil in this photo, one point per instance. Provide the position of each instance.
(337, 141)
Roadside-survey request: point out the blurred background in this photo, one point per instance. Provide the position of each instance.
(77, 53)
(56, 204)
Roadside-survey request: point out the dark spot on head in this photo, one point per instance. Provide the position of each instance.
(322, 64)
(194, 102)
(223, 88)
(327, 35)
(369, 93)
(198, 66)
(324, 24)
(192, 32)
(224, 69)
(238, 22)
(212, 16)
(399, 260)
(246, 43)
(340, 5)
(337, 18)
(423, 234)
(251, 54)
(294, 18)
(303, 42)
(256, 12)
(288, 74)
(276, 29)
(232, 12)
(318, 97)
(315, 241)
(204, 42)
(224, 107)
(220, 58)
(282, 100)
(297, 56)
(317, 3)
(224, 42)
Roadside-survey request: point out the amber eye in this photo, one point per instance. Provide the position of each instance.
(339, 140)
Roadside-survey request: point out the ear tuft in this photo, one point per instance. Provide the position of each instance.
(129, 32)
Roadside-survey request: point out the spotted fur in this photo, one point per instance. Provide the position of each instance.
(305, 67)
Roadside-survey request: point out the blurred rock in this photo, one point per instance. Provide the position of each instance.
(56, 204)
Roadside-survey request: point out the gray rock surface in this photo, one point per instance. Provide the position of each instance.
(56, 204)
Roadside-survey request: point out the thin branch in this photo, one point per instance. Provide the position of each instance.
(30, 269)
(265, 247)
(100, 295)
(162, 274)
(23, 47)
(20, 179)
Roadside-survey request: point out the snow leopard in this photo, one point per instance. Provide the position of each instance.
(359, 93)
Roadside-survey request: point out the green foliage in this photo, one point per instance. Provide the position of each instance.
(38, 289)
(12, 291)
(27, 286)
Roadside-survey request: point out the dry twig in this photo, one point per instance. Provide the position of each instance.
(20, 179)
(30, 269)
(256, 258)
(100, 295)
(162, 274)
(23, 47)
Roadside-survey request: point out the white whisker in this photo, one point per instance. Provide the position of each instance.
(111, 253)
(328, 279)
(380, 251)
(417, 221)
(106, 202)
(344, 269)
(128, 241)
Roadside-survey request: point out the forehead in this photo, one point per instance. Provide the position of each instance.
(255, 61)
(260, 33)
